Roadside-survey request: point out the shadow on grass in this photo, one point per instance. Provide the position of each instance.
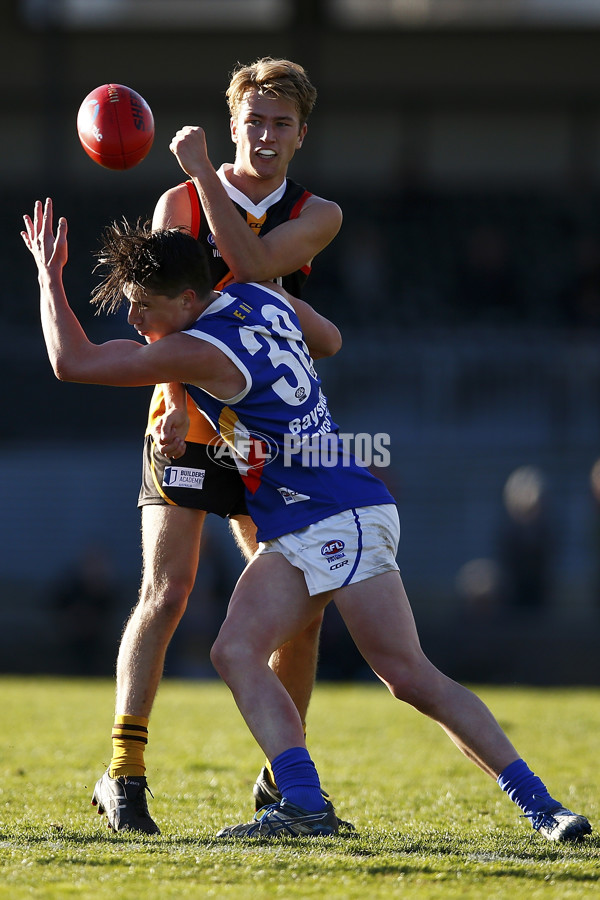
(497, 854)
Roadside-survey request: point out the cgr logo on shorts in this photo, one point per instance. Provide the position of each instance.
(178, 476)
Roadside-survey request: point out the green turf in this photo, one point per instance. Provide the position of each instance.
(431, 825)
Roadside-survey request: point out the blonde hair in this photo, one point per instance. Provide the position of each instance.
(275, 78)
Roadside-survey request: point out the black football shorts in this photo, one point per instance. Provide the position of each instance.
(196, 480)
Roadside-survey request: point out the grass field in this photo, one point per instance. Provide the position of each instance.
(430, 824)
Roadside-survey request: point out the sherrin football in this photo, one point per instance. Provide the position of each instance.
(115, 126)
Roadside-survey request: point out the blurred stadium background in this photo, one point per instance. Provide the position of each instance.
(462, 140)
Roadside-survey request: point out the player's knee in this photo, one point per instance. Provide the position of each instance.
(217, 659)
(167, 600)
(232, 655)
(223, 657)
(400, 687)
(411, 683)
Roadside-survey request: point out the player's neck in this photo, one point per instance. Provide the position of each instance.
(255, 189)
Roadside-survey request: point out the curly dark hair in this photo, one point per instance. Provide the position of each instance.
(165, 261)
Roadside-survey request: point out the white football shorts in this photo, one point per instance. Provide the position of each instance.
(343, 549)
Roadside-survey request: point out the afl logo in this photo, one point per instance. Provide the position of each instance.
(250, 452)
(211, 240)
(332, 547)
(94, 109)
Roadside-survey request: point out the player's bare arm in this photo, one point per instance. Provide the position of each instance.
(321, 336)
(171, 428)
(173, 209)
(285, 249)
(60, 327)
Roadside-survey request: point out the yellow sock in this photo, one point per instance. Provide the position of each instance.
(270, 771)
(129, 739)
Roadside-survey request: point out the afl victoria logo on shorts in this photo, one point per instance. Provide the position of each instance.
(333, 551)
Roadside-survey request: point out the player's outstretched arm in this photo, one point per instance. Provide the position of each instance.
(72, 355)
(62, 332)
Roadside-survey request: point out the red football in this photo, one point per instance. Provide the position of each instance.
(115, 126)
